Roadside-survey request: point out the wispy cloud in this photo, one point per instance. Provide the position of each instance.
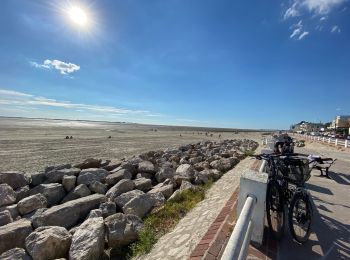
(338, 109)
(335, 29)
(63, 67)
(298, 32)
(304, 34)
(14, 98)
(311, 11)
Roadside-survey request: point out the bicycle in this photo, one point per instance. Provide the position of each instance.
(287, 176)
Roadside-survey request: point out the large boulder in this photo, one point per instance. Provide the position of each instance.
(13, 209)
(98, 187)
(58, 167)
(47, 243)
(108, 208)
(13, 235)
(14, 179)
(22, 192)
(31, 203)
(15, 254)
(201, 178)
(146, 166)
(157, 199)
(112, 165)
(80, 191)
(144, 175)
(122, 229)
(139, 206)
(115, 177)
(122, 199)
(224, 164)
(37, 178)
(87, 176)
(143, 184)
(89, 163)
(7, 195)
(68, 182)
(5, 217)
(185, 170)
(165, 173)
(68, 214)
(121, 187)
(88, 240)
(54, 192)
(57, 175)
(166, 189)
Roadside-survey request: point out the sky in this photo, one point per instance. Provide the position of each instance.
(239, 64)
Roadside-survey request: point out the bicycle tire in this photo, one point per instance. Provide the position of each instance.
(275, 205)
(303, 216)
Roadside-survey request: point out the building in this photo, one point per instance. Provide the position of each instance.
(341, 122)
(307, 127)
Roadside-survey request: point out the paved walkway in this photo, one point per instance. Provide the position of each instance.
(330, 238)
(179, 243)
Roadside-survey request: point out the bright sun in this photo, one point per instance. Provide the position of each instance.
(78, 15)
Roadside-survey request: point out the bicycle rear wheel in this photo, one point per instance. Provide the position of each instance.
(300, 217)
(275, 209)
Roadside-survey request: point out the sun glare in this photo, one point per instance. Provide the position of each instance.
(78, 16)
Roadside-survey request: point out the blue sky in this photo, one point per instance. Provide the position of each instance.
(245, 64)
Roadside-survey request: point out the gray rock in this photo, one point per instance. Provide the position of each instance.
(13, 209)
(115, 177)
(22, 192)
(88, 240)
(87, 176)
(201, 166)
(224, 164)
(201, 178)
(57, 175)
(122, 229)
(7, 195)
(58, 167)
(68, 182)
(89, 163)
(121, 187)
(122, 199)
(15, 254)
(54, 192)
(157, 199)
(13, 234)
(78, 192)
(48, 243)
(95, 213)
(68, 214)
(14, 179)
(37, 178)
(195, 160)
(108, 208)
(146, 166)
(185, 170)
(144, 175)
(98, 187)
(166, 190)
(36, 213)
(164, 173)
(5, 217)
(128, 166)
(112, 165)
(143, 184)
(31, 203)
(139, 206)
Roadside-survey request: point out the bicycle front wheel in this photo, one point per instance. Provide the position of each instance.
(275, 209)
(300, 217)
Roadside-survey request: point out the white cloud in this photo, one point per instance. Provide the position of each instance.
(64, 67)
(315, 7)
(323, 18)
(295, 32)
(304, 34)
(14, 98)
(335, 29)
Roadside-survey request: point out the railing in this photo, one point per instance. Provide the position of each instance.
(336, 142)
(237, 246)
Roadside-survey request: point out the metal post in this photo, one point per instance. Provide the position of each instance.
(336, 142)
(238, 236)
(262, 166)
(346, 143)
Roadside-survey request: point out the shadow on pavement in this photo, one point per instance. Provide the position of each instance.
(318, 189)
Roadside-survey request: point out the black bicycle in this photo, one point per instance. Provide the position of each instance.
(287, 176)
